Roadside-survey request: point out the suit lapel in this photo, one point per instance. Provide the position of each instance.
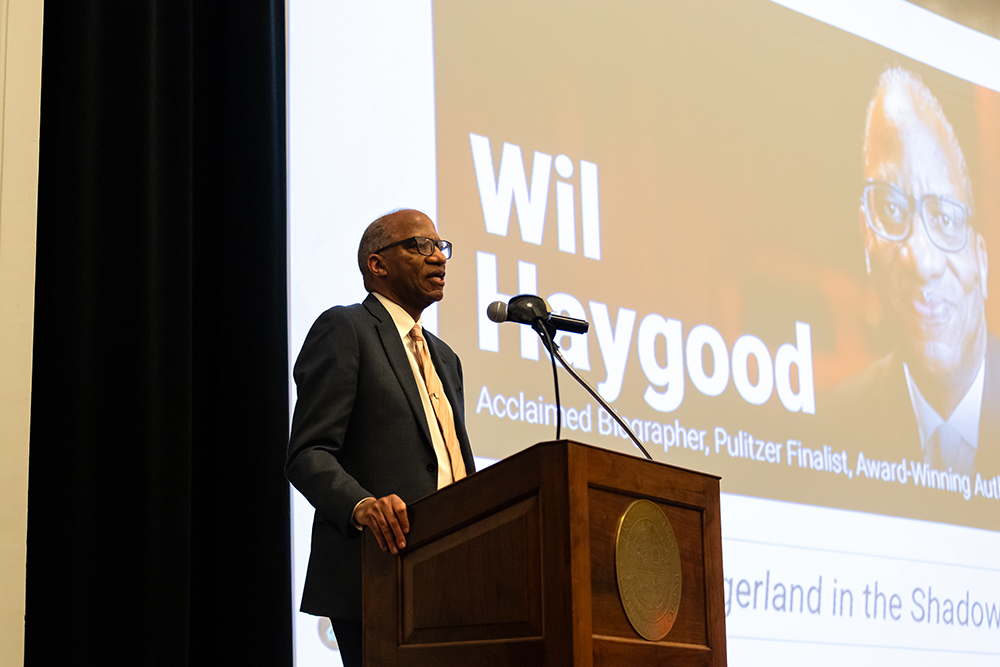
(897, 401)
(988, 450)
(400, 363)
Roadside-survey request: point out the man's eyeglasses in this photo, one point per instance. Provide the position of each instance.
(890, 211)
(424, 245)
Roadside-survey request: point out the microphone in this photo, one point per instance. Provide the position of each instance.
(529, 309)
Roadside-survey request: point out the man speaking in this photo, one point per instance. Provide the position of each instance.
(936, 398)
(379, 420)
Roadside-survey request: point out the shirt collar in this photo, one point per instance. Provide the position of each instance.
(964, 418)
(400, 317)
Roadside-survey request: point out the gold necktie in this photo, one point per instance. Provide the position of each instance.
(442, 409)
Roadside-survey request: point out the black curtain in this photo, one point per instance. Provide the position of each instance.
(158, 513)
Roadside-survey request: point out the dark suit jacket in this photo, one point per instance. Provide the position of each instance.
(872, 412)
(359, 430)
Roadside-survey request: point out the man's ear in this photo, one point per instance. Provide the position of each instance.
(376, 265)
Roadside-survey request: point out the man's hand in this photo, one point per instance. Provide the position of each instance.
(386, 517)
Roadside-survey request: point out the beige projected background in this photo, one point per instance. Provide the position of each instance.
(727, 141)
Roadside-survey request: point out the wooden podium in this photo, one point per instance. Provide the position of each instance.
(515, 565)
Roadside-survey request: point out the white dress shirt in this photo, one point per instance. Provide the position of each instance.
(404, 323)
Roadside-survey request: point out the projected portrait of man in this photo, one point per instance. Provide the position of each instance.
(936, 397)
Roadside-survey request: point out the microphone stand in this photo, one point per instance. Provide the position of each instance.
(547, 333)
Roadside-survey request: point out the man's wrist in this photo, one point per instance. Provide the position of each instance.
(354, 514)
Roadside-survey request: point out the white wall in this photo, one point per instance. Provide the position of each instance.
(20, 91)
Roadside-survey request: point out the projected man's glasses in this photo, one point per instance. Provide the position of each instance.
(424, 245)
(890, 213)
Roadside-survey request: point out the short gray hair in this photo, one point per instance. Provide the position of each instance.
(376, 236)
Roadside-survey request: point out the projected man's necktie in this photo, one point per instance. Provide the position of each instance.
(947, 450)
(442, 409)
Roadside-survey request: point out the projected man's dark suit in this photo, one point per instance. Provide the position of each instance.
(874, 413)
(359, 430)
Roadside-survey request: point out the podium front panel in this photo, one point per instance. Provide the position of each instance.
(691, 626)
(447, 595)
(690, 501)
(515, 565)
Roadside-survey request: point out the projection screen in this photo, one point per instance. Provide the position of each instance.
(784, 263)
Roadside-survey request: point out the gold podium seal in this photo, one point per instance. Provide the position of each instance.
(648, 565)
